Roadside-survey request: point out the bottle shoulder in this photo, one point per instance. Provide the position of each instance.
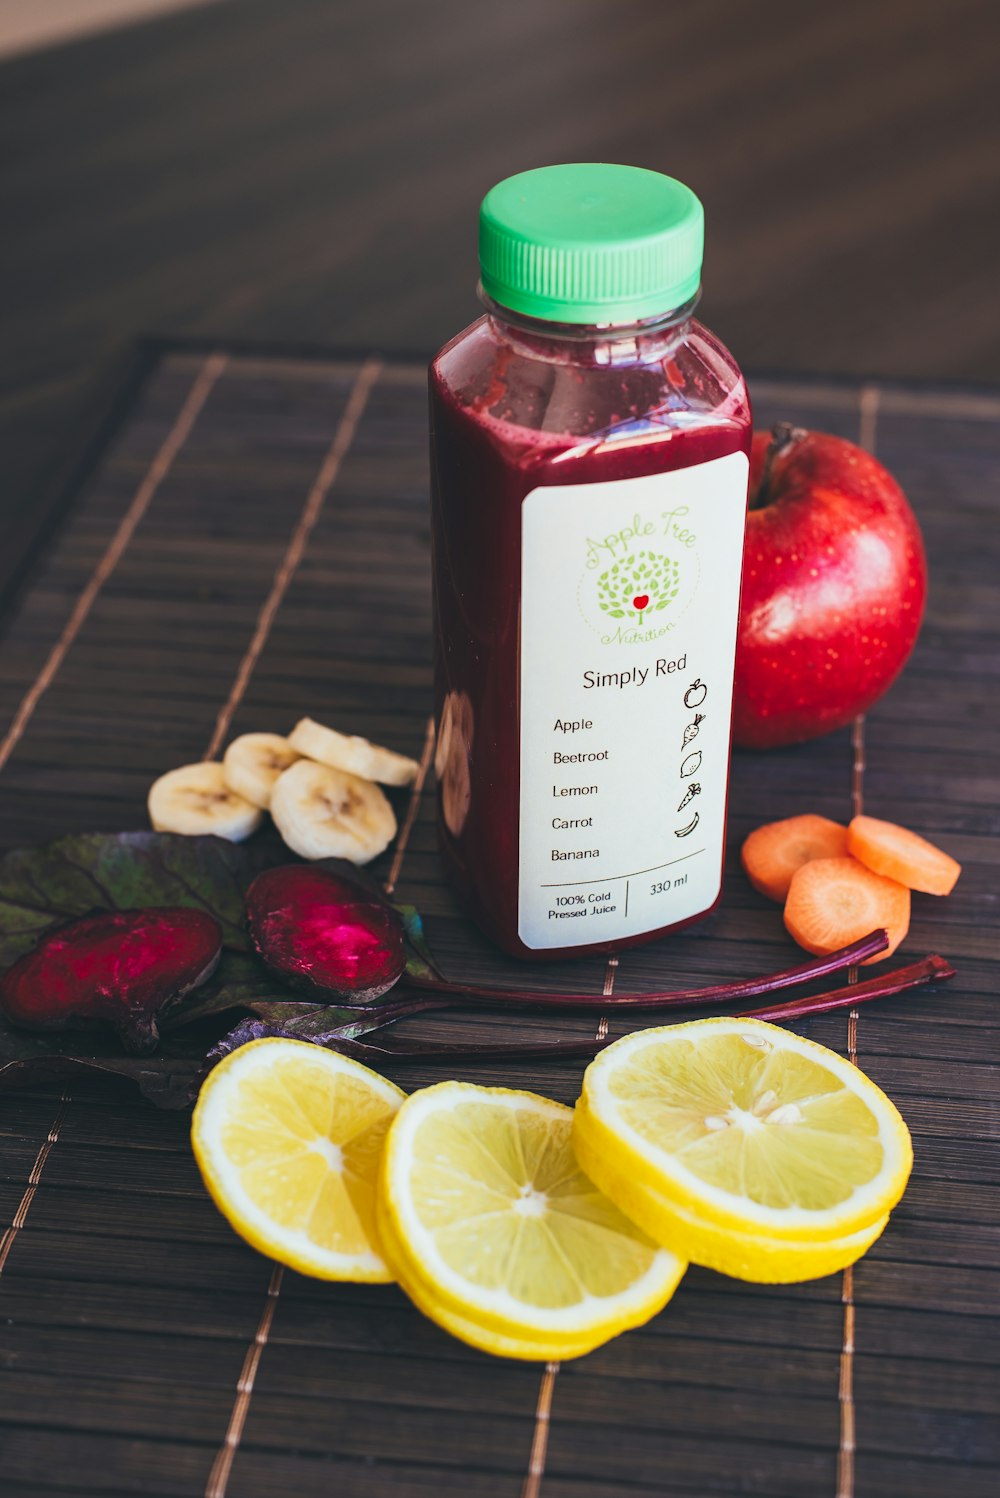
(678, 378)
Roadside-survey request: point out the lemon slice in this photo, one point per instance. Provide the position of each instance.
(743, 1256)
(748, 1127)
(543, 1348)
(288, 1137)
(496, 1223)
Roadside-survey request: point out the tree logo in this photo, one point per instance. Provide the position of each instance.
(639, 586)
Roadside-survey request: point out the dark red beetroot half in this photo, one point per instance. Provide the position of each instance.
(121, 967)
(325, 934)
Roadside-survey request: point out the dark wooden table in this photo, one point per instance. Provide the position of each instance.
(310, 171)
(144, 1349)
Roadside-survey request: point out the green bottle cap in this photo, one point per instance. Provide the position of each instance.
(590, 243)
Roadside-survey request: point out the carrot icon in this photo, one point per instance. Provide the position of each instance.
(694, 789)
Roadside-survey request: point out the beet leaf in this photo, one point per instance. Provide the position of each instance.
(46, 886)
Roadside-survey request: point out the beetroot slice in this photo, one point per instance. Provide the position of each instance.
(121, 967)
(325, 934)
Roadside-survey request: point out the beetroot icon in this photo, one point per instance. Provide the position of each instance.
(119, 967)
(325, 934)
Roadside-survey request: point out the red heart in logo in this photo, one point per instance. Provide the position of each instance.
(640, 602)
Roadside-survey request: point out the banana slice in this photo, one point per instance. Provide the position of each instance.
(196, 800)
(252, 764)
(322, 812)
(353, 754)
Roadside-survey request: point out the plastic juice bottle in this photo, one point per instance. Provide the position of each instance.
(589, 451)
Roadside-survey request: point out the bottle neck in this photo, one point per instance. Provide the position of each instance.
(644, 342)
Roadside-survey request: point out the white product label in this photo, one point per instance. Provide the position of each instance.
(629, 599)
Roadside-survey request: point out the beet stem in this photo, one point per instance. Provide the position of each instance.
(457, 994)
(549, 1050)
(932, 969)
(388, 1014)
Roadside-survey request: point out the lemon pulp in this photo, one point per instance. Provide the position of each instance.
(288, 1137)
(496, 1221)
(756, 1255)
(750, 1126)
(531, 1347)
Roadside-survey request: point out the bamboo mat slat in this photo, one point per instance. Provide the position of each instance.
(143, 1347)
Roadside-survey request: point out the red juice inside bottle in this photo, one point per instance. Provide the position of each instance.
(589, 445)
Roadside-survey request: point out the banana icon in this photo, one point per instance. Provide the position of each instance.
(685, 831)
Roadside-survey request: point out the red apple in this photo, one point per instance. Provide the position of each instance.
(834, 583)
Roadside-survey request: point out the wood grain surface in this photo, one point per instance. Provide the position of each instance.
(310, 170)
(254, 542)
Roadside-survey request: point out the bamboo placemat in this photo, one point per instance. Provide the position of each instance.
(252, 545)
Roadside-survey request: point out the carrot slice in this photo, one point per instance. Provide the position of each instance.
(832, 901)
(773, 853)
(900, 854)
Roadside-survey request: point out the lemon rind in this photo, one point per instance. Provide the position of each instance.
(242, 1214)
(499, 1311)
(745, 1256)
(542, 1349)
(411, 1278)
(663, 1173)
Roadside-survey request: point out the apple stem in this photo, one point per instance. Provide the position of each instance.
(784, 436)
